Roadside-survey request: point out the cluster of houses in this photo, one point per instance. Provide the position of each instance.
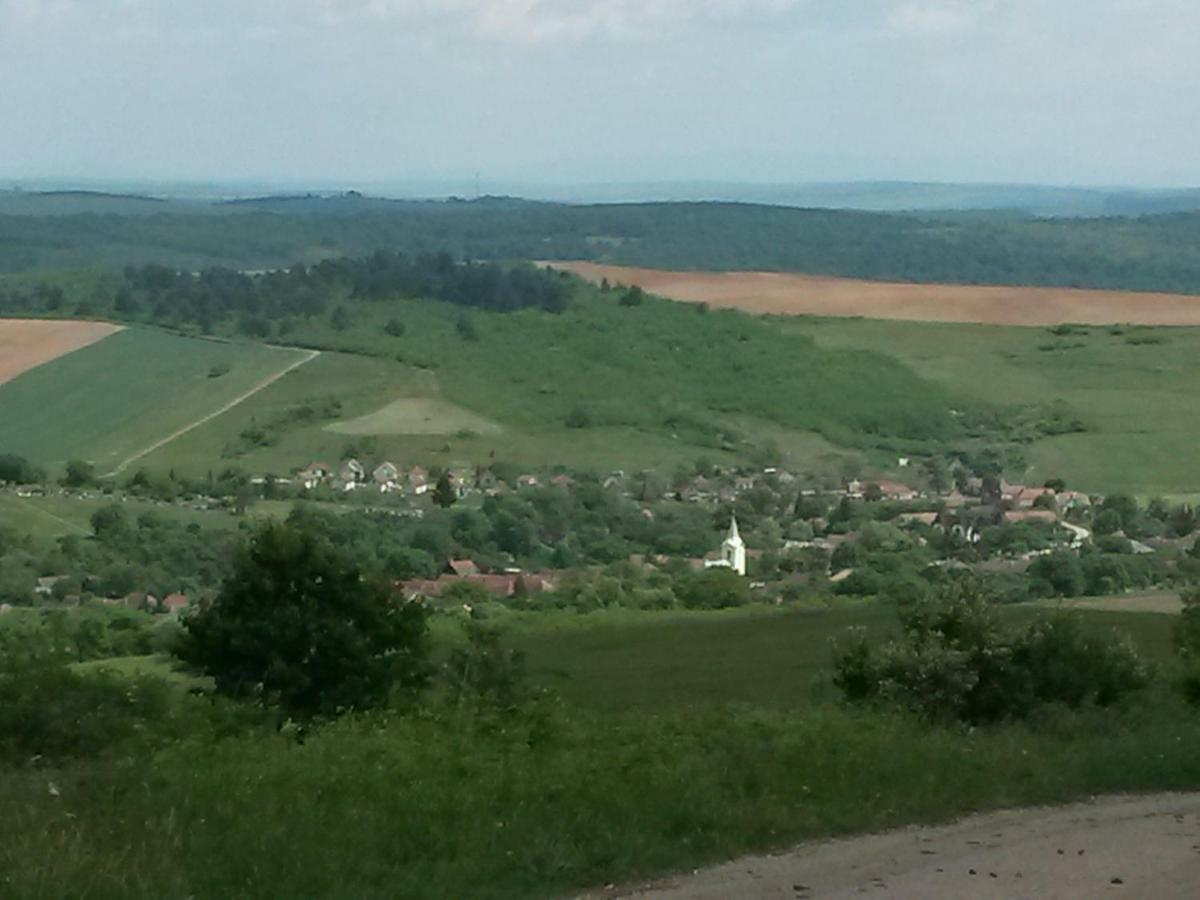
(388, 478)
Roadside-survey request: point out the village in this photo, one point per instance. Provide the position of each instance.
(786, 535)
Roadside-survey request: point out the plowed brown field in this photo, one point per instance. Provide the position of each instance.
(788, 294)
(28, 343)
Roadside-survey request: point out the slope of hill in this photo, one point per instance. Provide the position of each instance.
(115, 398)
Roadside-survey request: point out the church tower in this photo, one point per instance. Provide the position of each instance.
(733, 549)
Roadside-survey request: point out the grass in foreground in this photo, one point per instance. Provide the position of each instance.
(680, 740)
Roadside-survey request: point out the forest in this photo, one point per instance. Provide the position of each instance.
(1150, 253)
(214, 296)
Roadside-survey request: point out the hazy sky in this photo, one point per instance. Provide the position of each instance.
(345, 91)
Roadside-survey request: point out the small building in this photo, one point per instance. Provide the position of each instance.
(1031, 515)
(45, 586)
(313, 474)
(386, 477)
(894, 490)
(418, 481)
(463, 568)
(175, 603)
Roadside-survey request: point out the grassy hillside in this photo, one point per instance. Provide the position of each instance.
(599, 386)
(604, 385)
(1134, 389)
(111, 400)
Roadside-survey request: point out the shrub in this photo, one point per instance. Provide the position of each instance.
(713, 589)
(578, 418)
(955, 662)
(1187, 642)
(485, 672)
(48, 712)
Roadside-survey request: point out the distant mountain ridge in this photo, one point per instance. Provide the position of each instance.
(1040, 201)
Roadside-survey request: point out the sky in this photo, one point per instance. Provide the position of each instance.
(350, 92)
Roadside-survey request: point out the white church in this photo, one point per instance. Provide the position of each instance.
(733, 551)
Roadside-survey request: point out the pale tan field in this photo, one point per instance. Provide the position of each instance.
(791, 294)
(28, 343)
(417, 416)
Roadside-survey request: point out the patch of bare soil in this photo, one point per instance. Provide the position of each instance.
(28, 343)
(1130, 847)
(792, 294)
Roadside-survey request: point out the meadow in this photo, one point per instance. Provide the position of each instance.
(674, 741)
(600, 386)
(109, 401)
(1132, 387)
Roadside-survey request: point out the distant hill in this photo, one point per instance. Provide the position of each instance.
(1140, 253)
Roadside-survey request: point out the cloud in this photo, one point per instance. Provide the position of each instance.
(936, 18)
(523, 21)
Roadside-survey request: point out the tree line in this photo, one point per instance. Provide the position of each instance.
(257, 301)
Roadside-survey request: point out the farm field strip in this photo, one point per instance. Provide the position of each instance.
(810, 295)
(28, 343)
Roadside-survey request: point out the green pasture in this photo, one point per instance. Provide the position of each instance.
(1135, 389)
(48, 518)
(778, 659)
(111, 400)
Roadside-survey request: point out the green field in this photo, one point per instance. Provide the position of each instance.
(778, 659)
(1134, 390)
(111, 400)
(57, 515)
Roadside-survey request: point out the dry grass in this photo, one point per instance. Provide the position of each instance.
(417, 416)
(792, 294)
(28, 343)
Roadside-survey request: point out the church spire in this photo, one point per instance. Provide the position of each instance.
(733, 528)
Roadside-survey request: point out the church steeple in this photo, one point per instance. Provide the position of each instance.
(733, 549)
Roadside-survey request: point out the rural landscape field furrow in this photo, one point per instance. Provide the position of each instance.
(783, 294)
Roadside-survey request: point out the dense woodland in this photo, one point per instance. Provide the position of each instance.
(214, 296)
(1158, 253)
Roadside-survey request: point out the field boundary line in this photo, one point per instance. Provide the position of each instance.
(204, 420)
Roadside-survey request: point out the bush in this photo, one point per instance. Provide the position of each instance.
(296, 625)
(1187, 642)
(713, 589)
(48, 712)
(955, 662)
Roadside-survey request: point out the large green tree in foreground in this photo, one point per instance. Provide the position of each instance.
(297, 625)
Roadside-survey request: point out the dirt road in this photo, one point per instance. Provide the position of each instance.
(793, 294)
(262, 385)
(1130, 847)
